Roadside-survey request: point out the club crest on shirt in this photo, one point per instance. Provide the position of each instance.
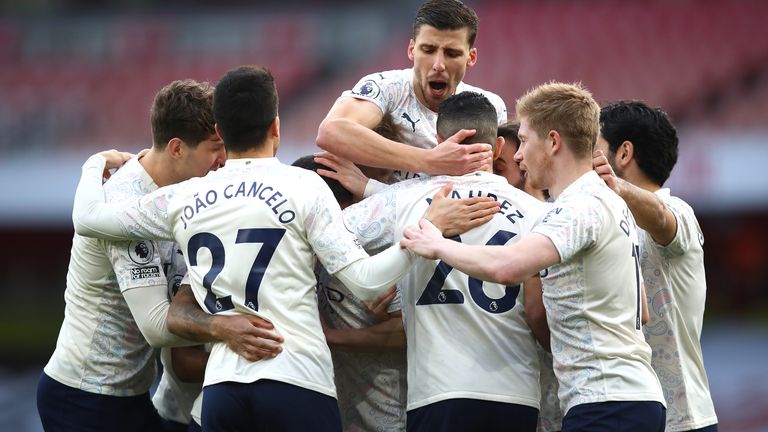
(141, 252)
(369, 88)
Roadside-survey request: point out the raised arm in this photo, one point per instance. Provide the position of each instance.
(507, 265)
(347, 131)
(650, 212)
(92, 216)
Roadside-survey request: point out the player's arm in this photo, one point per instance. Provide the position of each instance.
(149, 306)
(388, 335)
(370, 277)
(250, 336)
(92, 216)
(535, 314)
(189, 363)
(347, 131)
(649, 211)
(508, 265)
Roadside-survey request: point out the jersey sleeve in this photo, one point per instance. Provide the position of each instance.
(94, 217)
(374, 219)
(688, 230)
(334, 244)
(136, 263)
(142, 280)
(572, 226)
(377, 88)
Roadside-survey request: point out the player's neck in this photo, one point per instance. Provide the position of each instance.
(566, 173)
(161, 173)
(253, 153)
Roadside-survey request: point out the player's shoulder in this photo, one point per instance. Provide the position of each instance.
(675, 203)
(128, 181)
(377, 86)
(390, 76)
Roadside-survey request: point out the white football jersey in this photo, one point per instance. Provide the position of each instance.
(249, 232)
(592, 298)
(550, 414)
(100, 348)
(173, 398)
(466, 338)
(371, 386)
(392, 91)
(676, 288)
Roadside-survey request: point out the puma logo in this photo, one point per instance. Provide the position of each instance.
(413, 123)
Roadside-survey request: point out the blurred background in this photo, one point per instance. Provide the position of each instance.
(78, 76)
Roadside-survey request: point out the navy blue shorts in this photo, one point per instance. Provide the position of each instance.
(467, 415)
(194, 427)
(67, 409)
(174, 426)
(630, 416)
(710, 428)
(268, 405)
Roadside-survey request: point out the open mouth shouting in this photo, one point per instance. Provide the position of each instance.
(438, 89)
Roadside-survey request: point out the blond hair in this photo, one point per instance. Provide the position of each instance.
(568, 109)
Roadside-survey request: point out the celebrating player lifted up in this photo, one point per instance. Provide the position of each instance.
(442, 49)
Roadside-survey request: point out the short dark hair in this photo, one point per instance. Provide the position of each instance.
(468, 110)
(183, 109)
(447, 15)
(509, 131)
(244, 105)
(343, 196)
(652, 134)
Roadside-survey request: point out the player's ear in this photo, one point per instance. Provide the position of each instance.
(472, 57)
(497, 148)
(557, 141)
(174, 148)
(624, 154)
(274, 127)
(411, 46)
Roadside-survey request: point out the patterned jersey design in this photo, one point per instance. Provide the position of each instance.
(248, 232)
(100, 348)
(592, 298)
(450, 317)
(371, 387)
(676, 288)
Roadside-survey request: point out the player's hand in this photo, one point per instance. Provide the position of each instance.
(603, 168)
(452, 158)
(457, 216)
(343, 171)
(422, 240)
(379, 306)
(252, 337)
(115, 159)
